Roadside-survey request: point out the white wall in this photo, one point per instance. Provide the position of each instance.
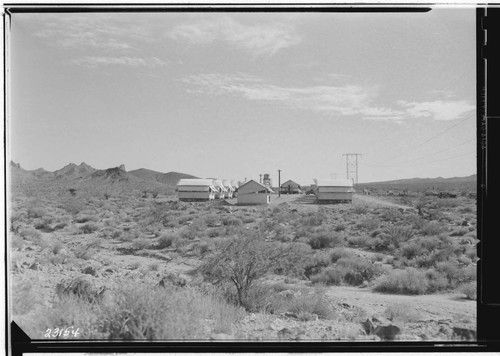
(196, 195)
(256, 198)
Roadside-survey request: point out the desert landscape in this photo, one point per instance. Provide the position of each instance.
(113, 254)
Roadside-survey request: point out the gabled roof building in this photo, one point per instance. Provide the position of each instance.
(252, 192)
(196, 189)
(334, 191)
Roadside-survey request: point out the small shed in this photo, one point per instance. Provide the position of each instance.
(252, 192)
(196, 189)
(333, 191)
(290, 187)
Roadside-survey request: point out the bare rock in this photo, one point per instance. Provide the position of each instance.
(89, 270)
(381, 327)
(172, 279)
(285, 333)
(464, 334)
(387, 332)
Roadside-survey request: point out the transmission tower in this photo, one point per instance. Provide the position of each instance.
(352, 166)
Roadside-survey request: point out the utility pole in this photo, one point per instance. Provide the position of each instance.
(279, 182)
(352, 166)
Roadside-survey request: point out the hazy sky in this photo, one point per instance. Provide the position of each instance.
(234, 95)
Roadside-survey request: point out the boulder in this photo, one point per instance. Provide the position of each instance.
(89, 270)
(381, 327)
(172, 279)
(464, 334)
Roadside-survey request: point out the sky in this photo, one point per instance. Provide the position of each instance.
(235, 95)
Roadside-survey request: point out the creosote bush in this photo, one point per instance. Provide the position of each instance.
(242, 260)
(136, 311)
(408, 281)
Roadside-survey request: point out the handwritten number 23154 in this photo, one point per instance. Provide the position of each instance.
(58, 332)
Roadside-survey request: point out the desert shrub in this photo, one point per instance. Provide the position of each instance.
(16, 242)
(115, 234)
(60, 226)
(350, 271)
(243, 260)
(184, 219)
(316, 263)
(431, 228)
(415, 221)
(437, 281)
(85, 218)
(30, 234)
(410, 250)
(402, 312)
(142, 312)
(248, 219)
(212, 221)
(43, 225)
(339, 252)
(447, 203)
(360, 241)
(80, 288)
(470, 290)
(360, 209)
(84, 252)
(140, 244)
(202, 248)
(166, 240)
(408, 281)
(56, 246)
(89, 228)
(36, 212)
(232, 221)
(369, 224)
(311, 219)
(391, 215)
(317, 303)
(396, 234)
(73, 206)
(23, 297)
(323, 240)
(340, 227)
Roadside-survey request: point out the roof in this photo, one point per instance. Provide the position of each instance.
(333, 182)
(195, 182)
(262, 185)
(288, 182)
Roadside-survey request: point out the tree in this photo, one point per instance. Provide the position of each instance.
(244, 259)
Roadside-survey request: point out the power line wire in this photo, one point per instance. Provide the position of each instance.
(429, 139)
(423, 157)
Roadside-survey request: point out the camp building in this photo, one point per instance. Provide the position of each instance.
(338, 190)
(290, 187)
(196, 189)
(252, 192)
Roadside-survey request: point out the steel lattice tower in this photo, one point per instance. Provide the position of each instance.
(352, 166)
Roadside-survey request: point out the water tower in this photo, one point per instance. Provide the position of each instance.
(267, 180)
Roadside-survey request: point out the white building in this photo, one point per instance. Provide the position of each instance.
(196, 189)
(252, 192)
(221, 190)
(338, 190)
(230, 187)
(290, 187)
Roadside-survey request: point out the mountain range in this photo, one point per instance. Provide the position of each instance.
(87, 173)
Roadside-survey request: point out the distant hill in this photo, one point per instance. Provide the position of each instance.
(72, 171)
(170, 178)
(421, 184)
(111, 174)
(471, 178)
